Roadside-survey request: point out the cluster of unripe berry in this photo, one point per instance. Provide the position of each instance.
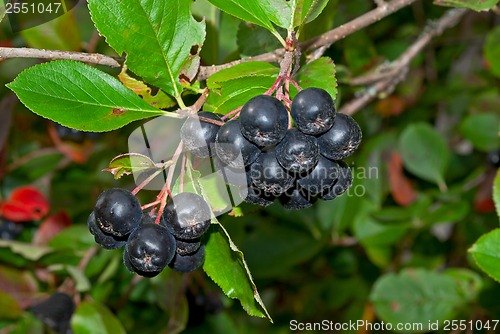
(297, 164)
(118, 220)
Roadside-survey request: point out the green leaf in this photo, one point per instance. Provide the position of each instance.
(226, 266)
(424, 152)
(319, 73)
(82, 282)
(127, 164)
(492, 50)
(254, 40)
(496, 192)
(468, 282)
(94, 318)
(80, 97)
(233, 87)
(2, 10)
(28, 251)
(486, 253)
(76, 237)
(483, 130)
(156, 36)
(415, 296)
(476, 5)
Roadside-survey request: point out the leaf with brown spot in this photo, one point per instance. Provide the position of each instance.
(130, 163)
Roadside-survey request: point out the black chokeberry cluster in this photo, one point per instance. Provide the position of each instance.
(118, 220)
(295, 165)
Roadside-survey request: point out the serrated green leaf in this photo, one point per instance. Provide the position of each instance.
(94, 318)
(319, 73)
(415, 296)
(127, 164)
(254, 40)
(424, 152)
(477, 5)
(496, 192)
(492, 50)
(486, 253)
(226, 266)
(483, 130)
(156, 36)
(233, 87)
(80, 96)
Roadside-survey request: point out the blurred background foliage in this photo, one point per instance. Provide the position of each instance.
(393, 249)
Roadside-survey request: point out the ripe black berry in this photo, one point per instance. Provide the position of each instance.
(297, 152)
(251, 194)
(188, 263)
(343, 183)
(296, 199)
(234, 149)
(186, 247)
(313, 111)
(199, 136)
(264, 120)
(150, 248)
(56, 312)
(9, 230)
(268, 175)
(107, 241)
(342, 139)
(321, 177)
(117, 212)
(187, 216)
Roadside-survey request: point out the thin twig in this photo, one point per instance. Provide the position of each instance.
(93, 58)
(387, 80)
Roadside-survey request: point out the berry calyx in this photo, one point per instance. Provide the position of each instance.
(186, 247)
(188, 263)
(264, 120)
(267, 174)
(187, 216)
(199, 136)
(233, 148)
(117, 212)
(342, 139)
(150, 249)
(313, 111)
(106, 241)
(297, 152)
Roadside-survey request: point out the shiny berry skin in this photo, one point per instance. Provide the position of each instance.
(264, 120)
(296, 199)
(56, 312)
(150, 248)
(268, 175)
(297, 152)
(117, 212)
(342, 139)
(313, 111)
(199, 136)
(106, 241)
(234, 149)
(321, 177)
(187, 216)
(188, 263)
(251, 194)
(186, 247)
(343, 183)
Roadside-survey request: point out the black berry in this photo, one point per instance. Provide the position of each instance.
(321, 177)
(313, 111)
(296, 199)
(150, 248)
(9, 230)
(187, 216)
(188, 263)
(56, 312)
(298, 152)
(251, 194)
(342, 139)
(107, 241)
(199, 136)
(234, 149)
(343, 183)
(117, 212)
(186, 247)
(268, 175)
(264, 120)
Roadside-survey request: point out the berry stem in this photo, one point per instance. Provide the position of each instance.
(151, 177)
(183, 170)
(234, 112)
(147, 206)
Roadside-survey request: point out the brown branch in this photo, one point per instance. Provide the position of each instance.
(93, 58)
(325, 39)
(387, 79)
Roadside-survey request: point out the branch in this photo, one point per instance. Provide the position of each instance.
(93, 58)
(387, 78)
(324, 40)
